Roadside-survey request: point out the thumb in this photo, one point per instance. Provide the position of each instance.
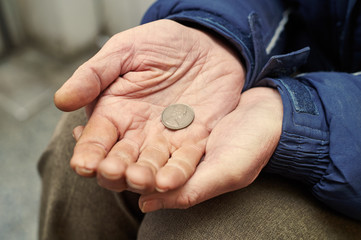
(91, 78)
(81, 89)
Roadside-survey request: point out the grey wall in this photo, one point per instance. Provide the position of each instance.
(66, 27)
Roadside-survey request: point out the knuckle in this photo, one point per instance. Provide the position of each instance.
(188, 200)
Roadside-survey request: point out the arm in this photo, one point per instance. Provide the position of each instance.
(316, 157)
(312, 129)
(310, 156)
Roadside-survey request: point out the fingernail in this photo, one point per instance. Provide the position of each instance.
(109, 176)
(152, 205)
(77, 132)
(135, 186)
(84, 171)
(76, 135)
(161, 190)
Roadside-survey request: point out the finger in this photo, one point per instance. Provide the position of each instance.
(111, 171)
(93, 145)
(141, 175)
(206, 183)
(179, 167)
(219, 173)
(77, 132)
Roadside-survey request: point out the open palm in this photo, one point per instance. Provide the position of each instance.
(128, 84)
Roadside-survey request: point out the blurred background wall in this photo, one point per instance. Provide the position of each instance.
(61, 29)
(65, 27)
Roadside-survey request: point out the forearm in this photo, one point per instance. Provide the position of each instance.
(320, 142)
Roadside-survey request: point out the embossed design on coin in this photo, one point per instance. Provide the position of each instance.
(177, 116)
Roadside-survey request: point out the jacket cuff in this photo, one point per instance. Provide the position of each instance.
(303, 150)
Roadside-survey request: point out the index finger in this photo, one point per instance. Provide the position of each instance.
(93, 145)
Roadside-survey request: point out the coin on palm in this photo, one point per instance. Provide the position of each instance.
(177, 116)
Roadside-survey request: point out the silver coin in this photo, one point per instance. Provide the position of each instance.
(177, 116)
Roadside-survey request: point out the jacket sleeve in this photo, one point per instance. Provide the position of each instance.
(321, 137)
(253, 27)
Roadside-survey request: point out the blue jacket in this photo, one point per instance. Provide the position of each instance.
(321, 137)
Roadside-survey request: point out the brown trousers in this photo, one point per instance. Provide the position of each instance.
(73, 207)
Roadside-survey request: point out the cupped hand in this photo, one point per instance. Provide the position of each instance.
(127, 85)
(238, 148)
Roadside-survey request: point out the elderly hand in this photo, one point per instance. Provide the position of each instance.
(127, 85)
(237, 149)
